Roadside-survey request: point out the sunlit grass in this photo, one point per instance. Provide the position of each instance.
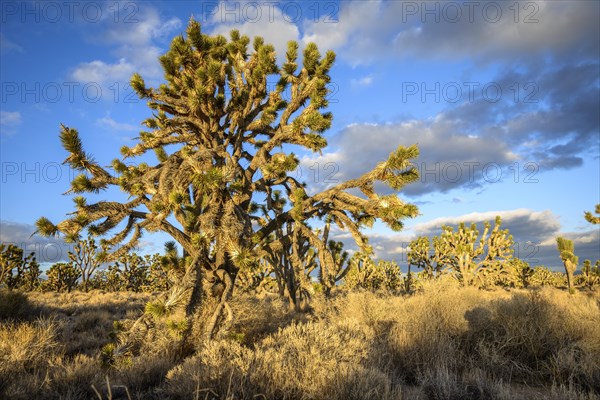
(444, 342)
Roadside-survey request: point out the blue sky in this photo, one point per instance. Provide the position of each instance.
(502, 98)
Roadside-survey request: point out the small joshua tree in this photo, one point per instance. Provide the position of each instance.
(421, 255)
(61, 277)
(364, 273)
(133, 272)
(542, 276)
(566, 249)
(30, 278)
(476, 261)
(16, 269)
(86, 259)
(591, 274)
(521, 273)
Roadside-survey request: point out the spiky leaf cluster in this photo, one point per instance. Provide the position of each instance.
(474, 259)
(215, 126)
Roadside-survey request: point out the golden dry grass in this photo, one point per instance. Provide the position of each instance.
(442, 343)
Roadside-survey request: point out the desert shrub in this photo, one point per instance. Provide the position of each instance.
(72, 378)
(28, 345)
(14, 305)
(255, 318)
(443, 342)
(143, 374)
(25, 349)
(444, 384)
(311, 360)
(542, 276)
(538, 337)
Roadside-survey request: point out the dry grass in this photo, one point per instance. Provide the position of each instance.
(442, 343)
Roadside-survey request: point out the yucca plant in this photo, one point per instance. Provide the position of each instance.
(566, 250)
(62, 277)
(591, 218)
(474, 260)
(214, 130)
(590, 274)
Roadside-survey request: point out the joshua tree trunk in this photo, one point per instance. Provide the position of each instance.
(570, 268)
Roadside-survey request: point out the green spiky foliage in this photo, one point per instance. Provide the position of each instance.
(543, 276)
(566, 249)
(222, 126)
(591, 218)
(86, 259)
(62, 277)
(133, 272)
(590, 274)
(420, 254)
(157, 278)
(475, 260)
(520, 274)
(172, 263)
(16, 269)
(364, 273)
(30, 278)
(108, 279)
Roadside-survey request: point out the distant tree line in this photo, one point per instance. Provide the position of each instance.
(473, 258)
(85, 270)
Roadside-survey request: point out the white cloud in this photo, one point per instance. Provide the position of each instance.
(448, 158)
(521, 221)
(9, 120)
(100, 72)
(534, 234)
(45, 249)
(135, 48)
(358, 24)
(364, 81)
(371, 30)
(107, 122)
(7, 45)
(275, 29)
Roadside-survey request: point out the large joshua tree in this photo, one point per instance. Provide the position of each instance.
(215, 131)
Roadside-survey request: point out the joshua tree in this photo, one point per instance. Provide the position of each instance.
(592, 219)
(292, 259)
(62, 276)
(30, 277)
(542, 276)
(215, 132)
(566, 249)
(158, 274)
(14, 266)
(591, 275)
(364, 273)
(85, 259)
(475, 261)
(337, 269)
(421, 255)
(289, 254)
(521, 273)
(133, 272)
